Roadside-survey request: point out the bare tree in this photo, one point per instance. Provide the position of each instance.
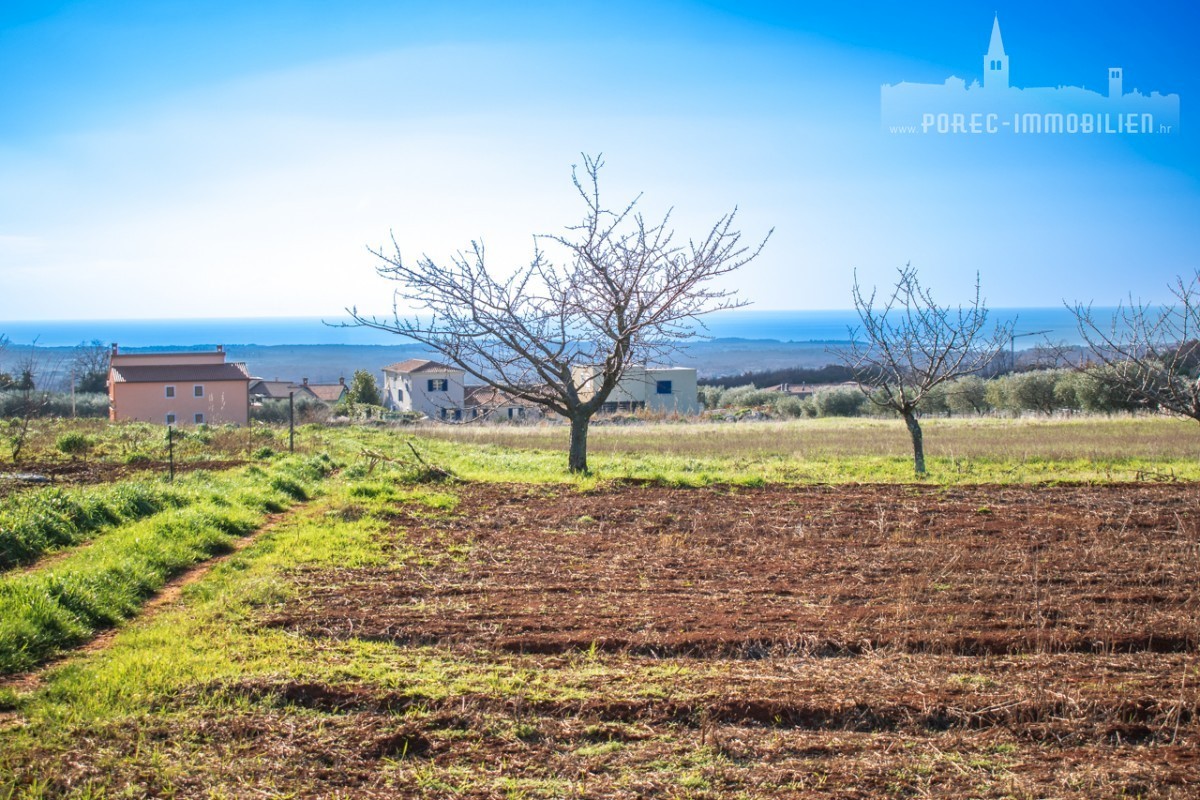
(908, 344)
(1151, 354)
(89, 366)
(561, 336)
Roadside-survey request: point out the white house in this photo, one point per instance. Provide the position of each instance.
(663, 389)
(429, 387)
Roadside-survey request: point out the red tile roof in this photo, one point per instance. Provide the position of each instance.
(492, 398)
(420, 365)
(327, 392)
(180, 373)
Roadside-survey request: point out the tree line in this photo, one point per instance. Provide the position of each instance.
(1042, 391)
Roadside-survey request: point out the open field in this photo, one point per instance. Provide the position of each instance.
(960, 451)
(600, 639)
(991, 438)
(966, 450)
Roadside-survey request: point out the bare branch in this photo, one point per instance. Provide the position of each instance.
(561, 335)
(1150, 354)
(908, 344)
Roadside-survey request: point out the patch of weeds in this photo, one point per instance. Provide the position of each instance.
(972, 680)
(599, 749)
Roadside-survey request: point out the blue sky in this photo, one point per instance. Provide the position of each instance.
(176, 159)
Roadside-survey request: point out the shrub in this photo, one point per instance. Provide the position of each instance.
(75, 444)
(748, 397)
(840, 403)
(968, 395)
(935, 401)
(710, 396)
(795, 407)
(1033, 391)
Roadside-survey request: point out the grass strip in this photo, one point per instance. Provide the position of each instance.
(44, 612)
(35, 523)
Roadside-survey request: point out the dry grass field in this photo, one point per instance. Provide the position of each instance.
(1043, 439)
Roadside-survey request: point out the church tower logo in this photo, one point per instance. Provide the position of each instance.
(996, 107)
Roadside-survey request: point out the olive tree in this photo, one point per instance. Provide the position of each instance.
(1148, 353)
(561, 335)
(907, 345)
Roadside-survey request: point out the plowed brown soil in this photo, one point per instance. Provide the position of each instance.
(854, 641)
(642, 641)
(750, 573)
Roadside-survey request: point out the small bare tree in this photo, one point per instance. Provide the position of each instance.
(561, 336)
(89, 366)
(1150, 354)
(909, 344)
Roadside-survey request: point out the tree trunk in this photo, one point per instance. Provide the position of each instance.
(914, 430)
(577, 461)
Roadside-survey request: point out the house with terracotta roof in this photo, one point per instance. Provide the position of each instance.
(179, 388)
(431, 388)
(489, 403)
(261, 389)
(327, 393)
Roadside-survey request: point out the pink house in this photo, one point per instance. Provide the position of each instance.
(182, 388)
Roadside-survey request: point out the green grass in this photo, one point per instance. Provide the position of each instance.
(44, 611)
(36, 522)
(215, 638)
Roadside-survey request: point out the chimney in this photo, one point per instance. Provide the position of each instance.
(220, 348)
(342, 380)
(114, 348)
(306, 381)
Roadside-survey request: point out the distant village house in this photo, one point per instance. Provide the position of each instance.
(178, 388)
(427, 387)
(327, 393)
(666, 390)
(439, 391)
(495, 405)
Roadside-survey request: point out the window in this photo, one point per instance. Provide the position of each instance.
(399, 395)
(438, 384)
(169, 392)
(197, 391)
(199, 419)
(452, 413)
(170, 417)
(664, 387)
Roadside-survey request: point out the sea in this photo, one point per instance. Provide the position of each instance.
(1034, 325)
(327, 349)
